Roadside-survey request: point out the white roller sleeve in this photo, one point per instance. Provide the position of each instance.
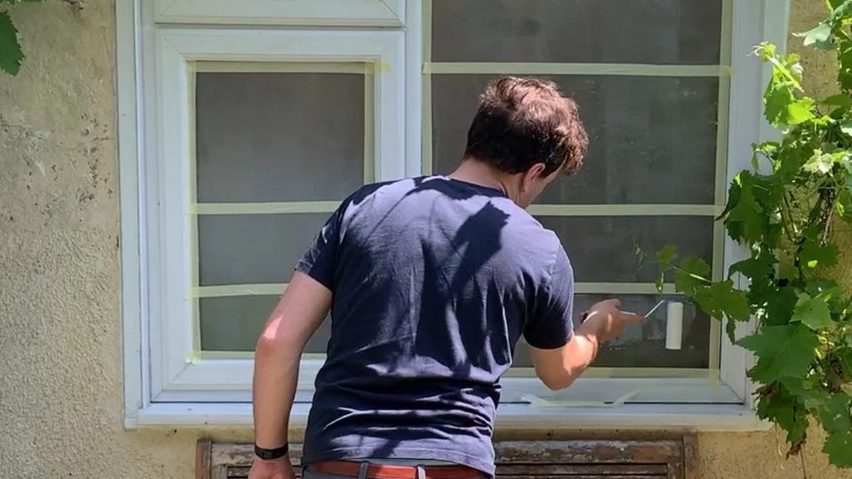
(674, 325)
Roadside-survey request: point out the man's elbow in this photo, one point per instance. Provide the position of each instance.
(557, 382)
(272, 343)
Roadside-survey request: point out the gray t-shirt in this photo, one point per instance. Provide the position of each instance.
(434, 280)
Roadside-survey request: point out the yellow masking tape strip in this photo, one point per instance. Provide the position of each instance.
(536, 401)
(727, 36)
(624, 210)
(629, 373)
(193, 195)
(426, 118)
(626, 69)
(722, 148)
(369, 128)
(264, 208)
(276, 289)
(221, 291)
(426, 138)
(205, 355)
(193, 357)
(427, 31)
(717, 274)
(678, 373)
(621, 288)
(359, 68)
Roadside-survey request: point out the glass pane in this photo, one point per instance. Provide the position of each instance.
(644, 346)
(234, 323)
(247, 249)
(279, 136)
(577, 31)
(652, 139)
(603, 249)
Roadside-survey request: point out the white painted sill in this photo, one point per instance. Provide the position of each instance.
(656, 417)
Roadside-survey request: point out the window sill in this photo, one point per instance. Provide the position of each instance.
(670, 417)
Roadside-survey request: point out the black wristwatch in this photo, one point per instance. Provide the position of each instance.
(270, 454)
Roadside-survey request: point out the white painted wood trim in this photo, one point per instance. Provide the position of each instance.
(696, 417)
(132, 267)
(747, 84)
(413, 87)
(355, 13)
(139, 175)
(174, 366)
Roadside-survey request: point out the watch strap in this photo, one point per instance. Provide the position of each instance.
(270, 454)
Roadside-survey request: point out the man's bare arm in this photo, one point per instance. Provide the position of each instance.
(559, 368)
(297, 316)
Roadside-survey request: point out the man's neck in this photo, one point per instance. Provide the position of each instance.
(479, 173)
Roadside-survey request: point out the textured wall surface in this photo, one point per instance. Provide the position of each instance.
(60, 329)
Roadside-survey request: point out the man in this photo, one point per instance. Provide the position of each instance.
(431, 282)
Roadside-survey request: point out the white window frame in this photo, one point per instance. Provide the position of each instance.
(376, 13)
(165, 384)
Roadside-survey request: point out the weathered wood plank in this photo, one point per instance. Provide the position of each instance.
(568, 469)
(690, 453)
(241, 454)
(586, 476)
(202, 459)
(589, 451)
(566, 459)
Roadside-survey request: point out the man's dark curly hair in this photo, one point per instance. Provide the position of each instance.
(524, 121)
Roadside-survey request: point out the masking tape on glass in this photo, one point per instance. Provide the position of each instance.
(625, 69)
(539, 402)
(222, 291)
(263, 208)
(624, 210)
(357, 68)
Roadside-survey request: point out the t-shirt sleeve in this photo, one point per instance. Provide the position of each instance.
(320, 260)
(550, 324)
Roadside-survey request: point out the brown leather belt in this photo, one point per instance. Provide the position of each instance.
(385, 471)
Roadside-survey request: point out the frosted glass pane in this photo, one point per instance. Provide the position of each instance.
(602, 249)
(644, 346)
(247, 249)
(652, 140)
(234, 323)
(279, 136)
(572, 31)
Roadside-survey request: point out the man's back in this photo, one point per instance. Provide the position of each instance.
(433, 282)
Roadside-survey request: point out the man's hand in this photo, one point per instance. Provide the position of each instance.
(272, 469)
(606, 320)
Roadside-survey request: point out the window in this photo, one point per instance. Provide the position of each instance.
(243, 129)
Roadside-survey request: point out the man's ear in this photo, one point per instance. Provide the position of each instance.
(533, 173)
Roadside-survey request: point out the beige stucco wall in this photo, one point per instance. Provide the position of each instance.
(60, 330)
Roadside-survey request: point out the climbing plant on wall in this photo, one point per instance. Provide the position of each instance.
(784, 211)
(11, 54)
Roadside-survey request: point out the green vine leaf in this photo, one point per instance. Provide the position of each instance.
(815, 255)
(667, 254)
(834, 415)
(818, 37)
(784, 216)
(780, 406)
(733, 303)
(691, 275)
(782, 351)
(745, 218)
(812, 312)
(820, 163)
(838, 446)
(779, 306)
(11, 55)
